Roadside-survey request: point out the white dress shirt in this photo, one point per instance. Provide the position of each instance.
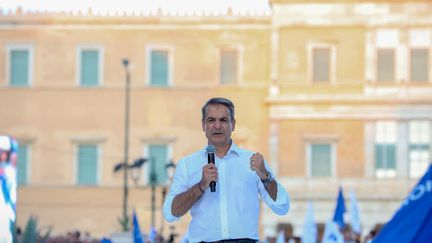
(232, 211)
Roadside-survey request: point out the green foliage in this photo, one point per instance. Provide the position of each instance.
(31, 232)
(124, 223)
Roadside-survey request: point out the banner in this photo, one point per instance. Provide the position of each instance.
(413, 221)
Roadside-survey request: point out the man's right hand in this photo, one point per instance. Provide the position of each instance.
(209, 174)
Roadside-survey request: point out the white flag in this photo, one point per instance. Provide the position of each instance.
(354, 213)
(281, 237)
(309, 227)
(332, 233)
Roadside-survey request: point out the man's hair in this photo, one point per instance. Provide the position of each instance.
(221, 101)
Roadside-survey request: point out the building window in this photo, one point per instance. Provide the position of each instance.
(386, 65)
(159, 68)
(419, 64)
(87, 164)
(321, 65)
(90, 66)
(419, 147)
(19, 68)
(229, 65)
(385, 149)
(320, 159)
(158, 155)
(23, 164)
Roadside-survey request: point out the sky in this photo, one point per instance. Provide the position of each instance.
(137, 6)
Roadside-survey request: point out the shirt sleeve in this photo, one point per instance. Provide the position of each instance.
(279, 206)
(179, 185)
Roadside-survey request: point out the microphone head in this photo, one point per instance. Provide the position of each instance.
(210, 149)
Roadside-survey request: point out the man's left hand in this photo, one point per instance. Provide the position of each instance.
(257, 165)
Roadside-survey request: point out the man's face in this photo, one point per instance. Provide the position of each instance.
(217, 125)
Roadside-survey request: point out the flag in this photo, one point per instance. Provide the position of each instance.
(137, 236)
(332, 233)
(413, 221)
(354, 214)
(152, 235)
(281, 237)
(338, 217)
(309, 227)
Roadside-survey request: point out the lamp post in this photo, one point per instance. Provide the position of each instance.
(125, 225)
(153, 181)
(170, 169)
(135, 167)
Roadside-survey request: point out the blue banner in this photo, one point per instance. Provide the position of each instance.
(413, 221)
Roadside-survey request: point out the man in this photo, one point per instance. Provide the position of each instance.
(230, 214)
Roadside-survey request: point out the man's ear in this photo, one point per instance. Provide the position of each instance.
(233, 125)
(203, 125)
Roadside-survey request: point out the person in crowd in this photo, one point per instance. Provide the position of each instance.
(242, 178)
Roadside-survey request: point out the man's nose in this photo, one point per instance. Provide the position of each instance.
(217, 124)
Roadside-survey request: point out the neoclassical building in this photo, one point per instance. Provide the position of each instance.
(333, 93)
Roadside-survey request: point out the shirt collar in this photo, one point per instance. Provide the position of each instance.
(233, 150)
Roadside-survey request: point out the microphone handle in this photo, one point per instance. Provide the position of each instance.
(211, 160)
(213, 186)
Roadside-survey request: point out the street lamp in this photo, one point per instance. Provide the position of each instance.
(170, 169)
(135, 167)
(125, 219)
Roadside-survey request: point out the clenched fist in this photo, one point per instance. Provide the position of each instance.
(257, 165)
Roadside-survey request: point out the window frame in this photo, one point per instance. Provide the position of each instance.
(332, 63)
(148, 66)
(98, 163)
(17, 47)
(239, 64)
(428, 64)
(333, 157)
(145, 173)
(386, 172)
(28, 163)
(79, 50)
(410, 143)
(394, 50)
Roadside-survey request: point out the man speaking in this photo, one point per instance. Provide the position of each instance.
(230, 212)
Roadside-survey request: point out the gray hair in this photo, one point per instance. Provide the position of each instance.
(221, 101)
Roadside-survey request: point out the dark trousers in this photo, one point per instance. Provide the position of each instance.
(244, 240)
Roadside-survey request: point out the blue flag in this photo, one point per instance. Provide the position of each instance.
(413, 221)
(137, 236)
(338, 217)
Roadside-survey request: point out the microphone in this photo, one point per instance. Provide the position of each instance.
(210, 150)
